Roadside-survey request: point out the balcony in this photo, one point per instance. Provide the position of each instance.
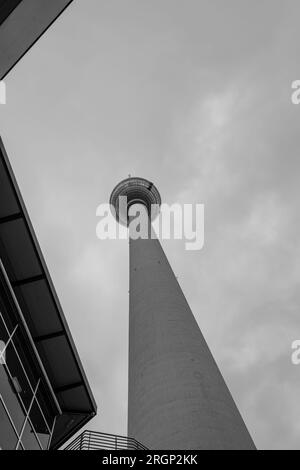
(91, 440)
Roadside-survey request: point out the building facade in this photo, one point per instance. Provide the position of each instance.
(44, 395)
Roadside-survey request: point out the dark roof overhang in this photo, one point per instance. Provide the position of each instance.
(22, 23)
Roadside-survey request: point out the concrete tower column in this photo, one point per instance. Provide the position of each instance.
(177, 397)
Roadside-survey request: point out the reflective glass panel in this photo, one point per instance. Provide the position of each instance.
(28, 438)
(3, 339)
(8, 438)
(39, 424)
(40, 397)
(18, 378)
(10, 398)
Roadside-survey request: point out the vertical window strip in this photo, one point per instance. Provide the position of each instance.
(2, 352)
(27, 417)
(4, 323)
(23, 368)
(26, 412)
(52, 431)
(19, 397)
(11, 421)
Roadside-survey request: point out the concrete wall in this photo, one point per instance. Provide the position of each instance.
(177, 396)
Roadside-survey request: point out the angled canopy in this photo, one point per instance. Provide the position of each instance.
(22, 22)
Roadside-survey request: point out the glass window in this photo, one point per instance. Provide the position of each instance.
(5, 328)
(39, 424)
(26, 419)
(3, 339)
(29, 439)
(9, 384)
(44, 406)
(8, 437)
(10, 398)
(19, 381)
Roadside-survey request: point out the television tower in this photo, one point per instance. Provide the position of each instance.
(177, 397)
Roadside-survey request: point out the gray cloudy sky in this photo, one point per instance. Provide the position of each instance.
(196, 96)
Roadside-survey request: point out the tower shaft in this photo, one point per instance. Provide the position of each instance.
(177, 396)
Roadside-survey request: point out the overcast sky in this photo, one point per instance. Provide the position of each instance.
(195, 96)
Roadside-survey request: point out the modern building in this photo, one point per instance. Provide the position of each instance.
(22, 23)
(177, 397)
(44, 394)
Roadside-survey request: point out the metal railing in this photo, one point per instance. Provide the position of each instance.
(92, 440)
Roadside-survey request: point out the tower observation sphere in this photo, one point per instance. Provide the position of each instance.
(137, 191)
